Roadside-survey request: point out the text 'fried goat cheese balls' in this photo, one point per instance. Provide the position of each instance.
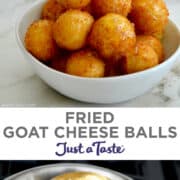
(73, 4)
(51, 10)
(72, 28)
(39, 40)
(85, 64)
(103, 7)
(140, 58)
(112, 36)
(154, 43)
(150, 17)
(80, 176)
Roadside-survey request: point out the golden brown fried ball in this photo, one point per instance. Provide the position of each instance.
(73, 4)
(80, 176)
(150, 17)
(103, 7)
(52, 10)
(112, 36)
(72, 28)
(85, 63)
(39, 40)
(154, 43)
(140, 58)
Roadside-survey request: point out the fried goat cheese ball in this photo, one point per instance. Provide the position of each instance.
(85, 63)
(80, 176)
(140, 58)
(39, 40)
(154, 43)
(51, 10)
(112, 36)
(103, 7)
(72, 28)
(149, 16)
(73, 4)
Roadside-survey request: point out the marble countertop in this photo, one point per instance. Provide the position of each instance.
(20, 87)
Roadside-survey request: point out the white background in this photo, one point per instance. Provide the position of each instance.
(44, 149)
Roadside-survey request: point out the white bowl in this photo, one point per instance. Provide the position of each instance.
(100, 90)
(49, 171)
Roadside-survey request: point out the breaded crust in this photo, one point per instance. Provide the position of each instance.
(112, 36)
(51, 10)
(103, 7)
(140, 58)
(85, 63)
(72, 28)
(73, 4)
(149, 16)
(39, 40)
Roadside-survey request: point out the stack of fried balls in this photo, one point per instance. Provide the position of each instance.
(99, 38)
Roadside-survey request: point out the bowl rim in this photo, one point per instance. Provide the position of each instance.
(120, 77)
